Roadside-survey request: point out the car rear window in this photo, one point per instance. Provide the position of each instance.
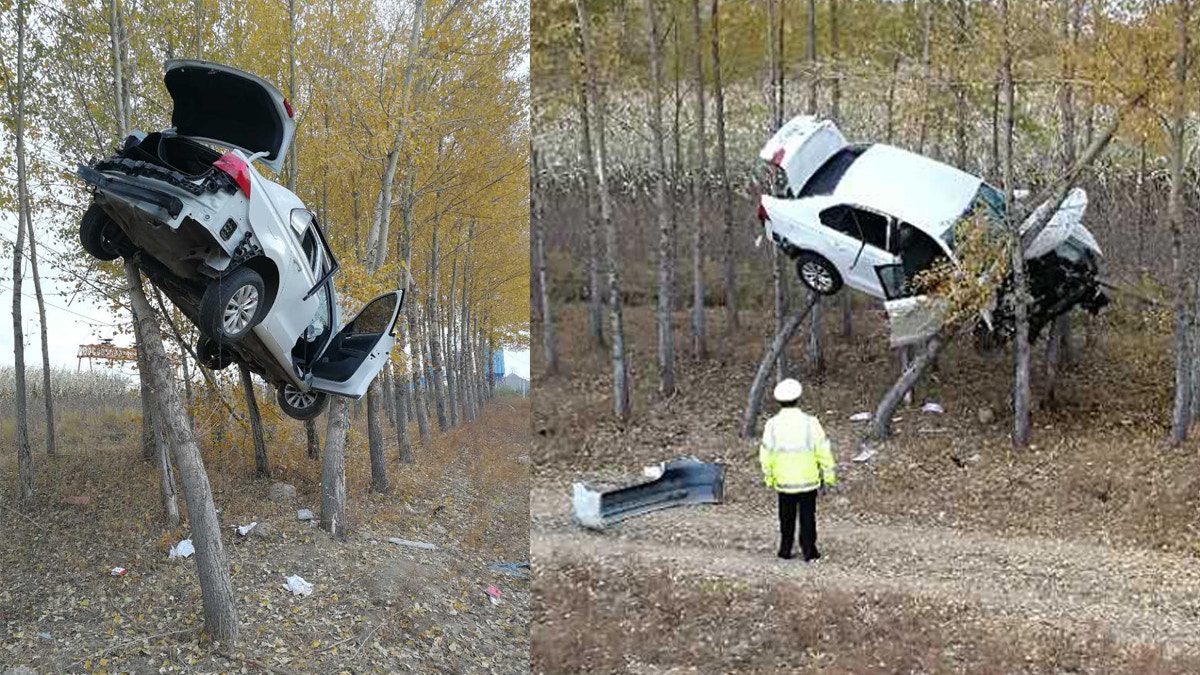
(830, 174)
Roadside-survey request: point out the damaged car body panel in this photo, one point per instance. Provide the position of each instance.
(679, 482)
(872, 217)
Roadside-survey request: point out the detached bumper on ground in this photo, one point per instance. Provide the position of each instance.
(679, 482)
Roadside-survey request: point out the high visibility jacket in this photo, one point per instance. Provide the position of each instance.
(795, 453)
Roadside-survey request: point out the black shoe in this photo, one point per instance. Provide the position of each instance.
(816, 555)
(786, 555)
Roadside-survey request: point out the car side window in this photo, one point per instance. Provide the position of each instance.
(375, 318)
(859, 223)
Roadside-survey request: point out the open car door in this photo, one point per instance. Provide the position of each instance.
(360, 350)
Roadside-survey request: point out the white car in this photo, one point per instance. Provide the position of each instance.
(237, 253)
(872, 216)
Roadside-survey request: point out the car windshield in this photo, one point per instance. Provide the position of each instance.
(988, 198)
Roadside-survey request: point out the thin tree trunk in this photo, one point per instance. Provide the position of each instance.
(47, 390)
(388, 398)
(216, 590)
(814, 351)
(24, 456)
(663, 212)
(1183, 384)
(811, 57)
(729, 276)
(435, 351)
(451, 399)
(881, 422)
(961, 36)
(464, 353)
(379, 479)
(621, 384)
(261, 466)
(699, 329)
(778, 347)
(166, 472)
(890, 131)
(846, 300)
(927, 75)
(420, 376)
(549, 345)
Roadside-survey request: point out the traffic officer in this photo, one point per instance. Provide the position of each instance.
(796, 461)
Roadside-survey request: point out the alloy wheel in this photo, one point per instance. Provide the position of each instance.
(240, 309)
(817, 276)
(298, 399)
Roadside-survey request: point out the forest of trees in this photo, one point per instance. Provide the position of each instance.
(648, 117)
(410, 148)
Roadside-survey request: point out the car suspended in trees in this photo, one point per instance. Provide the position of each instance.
(237, 253)
(873, 217)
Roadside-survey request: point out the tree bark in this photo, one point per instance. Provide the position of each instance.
(549, 346)
(778, 347)
(621, 384)
(881, 422)
(47, 389)
(450, 366)
(729, 275)
(699, 329)
(595, 290)
(25, 494)
(312, 439)
(261, 465)
(333, 469)
(379, 479)
(1183, 384)
(663, 210)
(220, 611)
(435, 351)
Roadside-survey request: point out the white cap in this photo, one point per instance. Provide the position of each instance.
(788, 390)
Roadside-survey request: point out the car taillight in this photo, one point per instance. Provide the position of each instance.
(777, 160)
(288, 107)
(762, 214)
(236, 168)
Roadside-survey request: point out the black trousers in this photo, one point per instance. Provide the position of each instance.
(803, 504)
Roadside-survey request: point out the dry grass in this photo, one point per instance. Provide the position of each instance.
(468, 493)
(645, 619)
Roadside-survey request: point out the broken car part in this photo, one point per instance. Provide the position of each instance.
(681, 482)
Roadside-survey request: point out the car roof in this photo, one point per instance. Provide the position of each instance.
(925, 193)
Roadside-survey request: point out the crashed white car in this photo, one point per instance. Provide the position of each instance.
(872, 216)
(237, 253)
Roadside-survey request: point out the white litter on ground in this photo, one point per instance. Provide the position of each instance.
(183, 549)
(117, 571)
(298, 586)
(245, 529)
(860, 417)
(653, 472)
(931, 407)
(865, 455)
(304, 514)
(414, 544)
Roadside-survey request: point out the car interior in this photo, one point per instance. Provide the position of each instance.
(351, 346)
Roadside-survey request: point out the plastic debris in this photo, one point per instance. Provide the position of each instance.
(183, 549)
(519, 570)
(245, 529)
(682, 481)
(298, 586)
(414, 544)
(653, 472)
(45, 636)
(304, 514)
(493, 594)
(931, 407)
(864, 455)
(117, 571)
(860, 417)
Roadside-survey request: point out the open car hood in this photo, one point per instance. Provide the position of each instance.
(227, 106)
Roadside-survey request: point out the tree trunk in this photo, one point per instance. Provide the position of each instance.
(595, 290)
(403, 442)
(435, 351)
(811, 57)
(261, 466)
(778, 346)
(881, 422)
(464, 332)
(699, 329)
(663, 210)
(927, 76)
(549, 346)
(846, 299)
(961, 35)
(420, 375)
(621, 384)
(312, 439)
(1179, 417)
(24, 456)
(47, 390)
(379, 479)
(729, 277)
(450, 367)
(220, 612)
(166, 472)
(333, 469)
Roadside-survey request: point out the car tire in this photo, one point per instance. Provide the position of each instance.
(211, 356)
(818, 273)
(232, 305)
(100, 235)
(301, 405)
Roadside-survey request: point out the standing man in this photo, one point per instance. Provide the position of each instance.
(796, 461)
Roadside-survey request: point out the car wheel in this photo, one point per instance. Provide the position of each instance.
(818, 274)
(232, 305)
(100, 235)
(301, 405)
(211, 356)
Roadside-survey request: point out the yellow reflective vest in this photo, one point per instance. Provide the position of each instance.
(795, 453)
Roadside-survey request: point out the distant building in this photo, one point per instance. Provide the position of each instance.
(514, 382)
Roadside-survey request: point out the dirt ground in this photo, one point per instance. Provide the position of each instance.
(948, 553)
(376, 606)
